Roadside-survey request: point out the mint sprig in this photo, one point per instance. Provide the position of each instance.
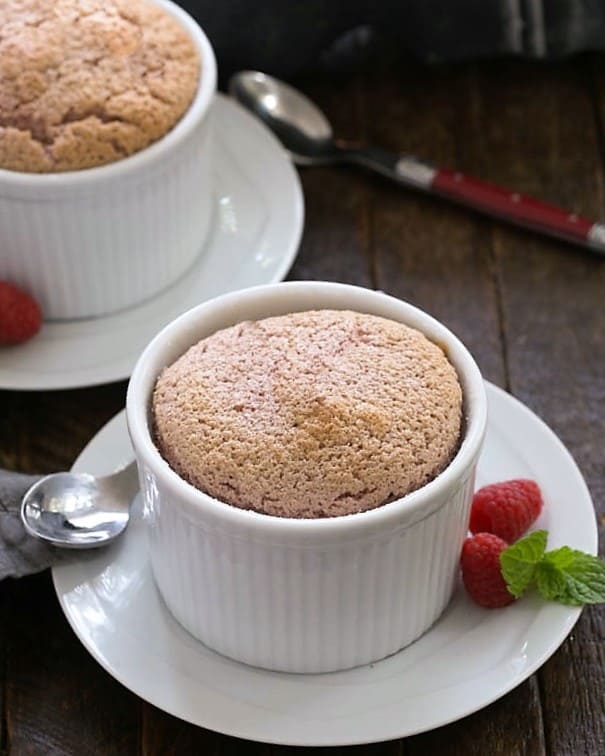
(565, 575)
(571, 577)
(519, 561)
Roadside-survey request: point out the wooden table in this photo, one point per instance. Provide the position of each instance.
(530, 309)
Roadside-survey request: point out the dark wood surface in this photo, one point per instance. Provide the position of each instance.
(530, 309)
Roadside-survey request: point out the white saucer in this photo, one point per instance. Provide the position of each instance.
(255, 235)
(471, 657)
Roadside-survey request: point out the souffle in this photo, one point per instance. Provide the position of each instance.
(89, 82)
(312, 414)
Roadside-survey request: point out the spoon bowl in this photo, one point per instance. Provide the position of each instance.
(78, 510)
(299, 124)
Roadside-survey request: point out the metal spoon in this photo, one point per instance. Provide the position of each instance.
(307, 134)
(77, 510)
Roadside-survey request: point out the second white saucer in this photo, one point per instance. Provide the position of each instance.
(256, 230)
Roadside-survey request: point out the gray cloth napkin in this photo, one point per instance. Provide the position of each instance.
(20, 554)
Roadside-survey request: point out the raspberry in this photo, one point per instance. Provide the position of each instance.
(506, 509)
(20, 316)
(481, 572)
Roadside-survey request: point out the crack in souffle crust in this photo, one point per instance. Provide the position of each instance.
(313, 414)
(88, 82)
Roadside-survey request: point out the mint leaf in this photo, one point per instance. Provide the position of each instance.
(571, 577)
(519, 561)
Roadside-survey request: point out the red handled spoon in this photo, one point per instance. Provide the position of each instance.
(307, 135)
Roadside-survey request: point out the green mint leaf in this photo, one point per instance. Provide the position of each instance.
(551, 582)
(519, 561)
(571, 577)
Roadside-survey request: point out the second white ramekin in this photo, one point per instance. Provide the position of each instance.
(87, 243)
(303, 595)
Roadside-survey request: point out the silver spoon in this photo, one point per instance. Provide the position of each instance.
(78, 510)
(307, 135)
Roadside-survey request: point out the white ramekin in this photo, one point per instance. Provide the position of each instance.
(95, 241)
(303, 595)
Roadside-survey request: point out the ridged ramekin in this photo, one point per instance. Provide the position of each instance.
(303, 595)
(91, 242)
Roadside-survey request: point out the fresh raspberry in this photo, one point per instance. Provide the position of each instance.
(506, 509)
(481, 572)
(20, 316)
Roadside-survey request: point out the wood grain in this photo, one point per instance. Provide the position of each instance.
(554, 328)
(58, 699)
(426, 251)
(335, 243)
(388, 748)
(12, 413)
(531, 310)
(42, 432)
(503, 726)
(165, 735)
(5, 621)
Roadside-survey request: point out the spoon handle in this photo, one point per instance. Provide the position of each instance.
(484, 197)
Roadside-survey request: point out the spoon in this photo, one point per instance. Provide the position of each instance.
(78, 510)
(307, 135)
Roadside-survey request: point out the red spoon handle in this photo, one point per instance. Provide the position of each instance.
(489, 199)
(512, 206)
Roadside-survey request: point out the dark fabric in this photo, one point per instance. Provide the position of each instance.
(572, 26)
(286, 37)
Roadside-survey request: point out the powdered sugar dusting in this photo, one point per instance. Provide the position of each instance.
(312, 414)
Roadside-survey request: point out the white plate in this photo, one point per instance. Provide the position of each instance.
(471, 656)
(256, 230)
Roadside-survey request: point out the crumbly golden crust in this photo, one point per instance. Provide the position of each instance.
(88, 82)
(313, 414)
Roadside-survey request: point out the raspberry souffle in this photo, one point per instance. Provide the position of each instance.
(83, 84)
(309, 415)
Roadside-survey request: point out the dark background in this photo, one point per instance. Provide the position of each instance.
(288, 37)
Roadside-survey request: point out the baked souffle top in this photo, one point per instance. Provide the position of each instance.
(311, 414)
(88, 82)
